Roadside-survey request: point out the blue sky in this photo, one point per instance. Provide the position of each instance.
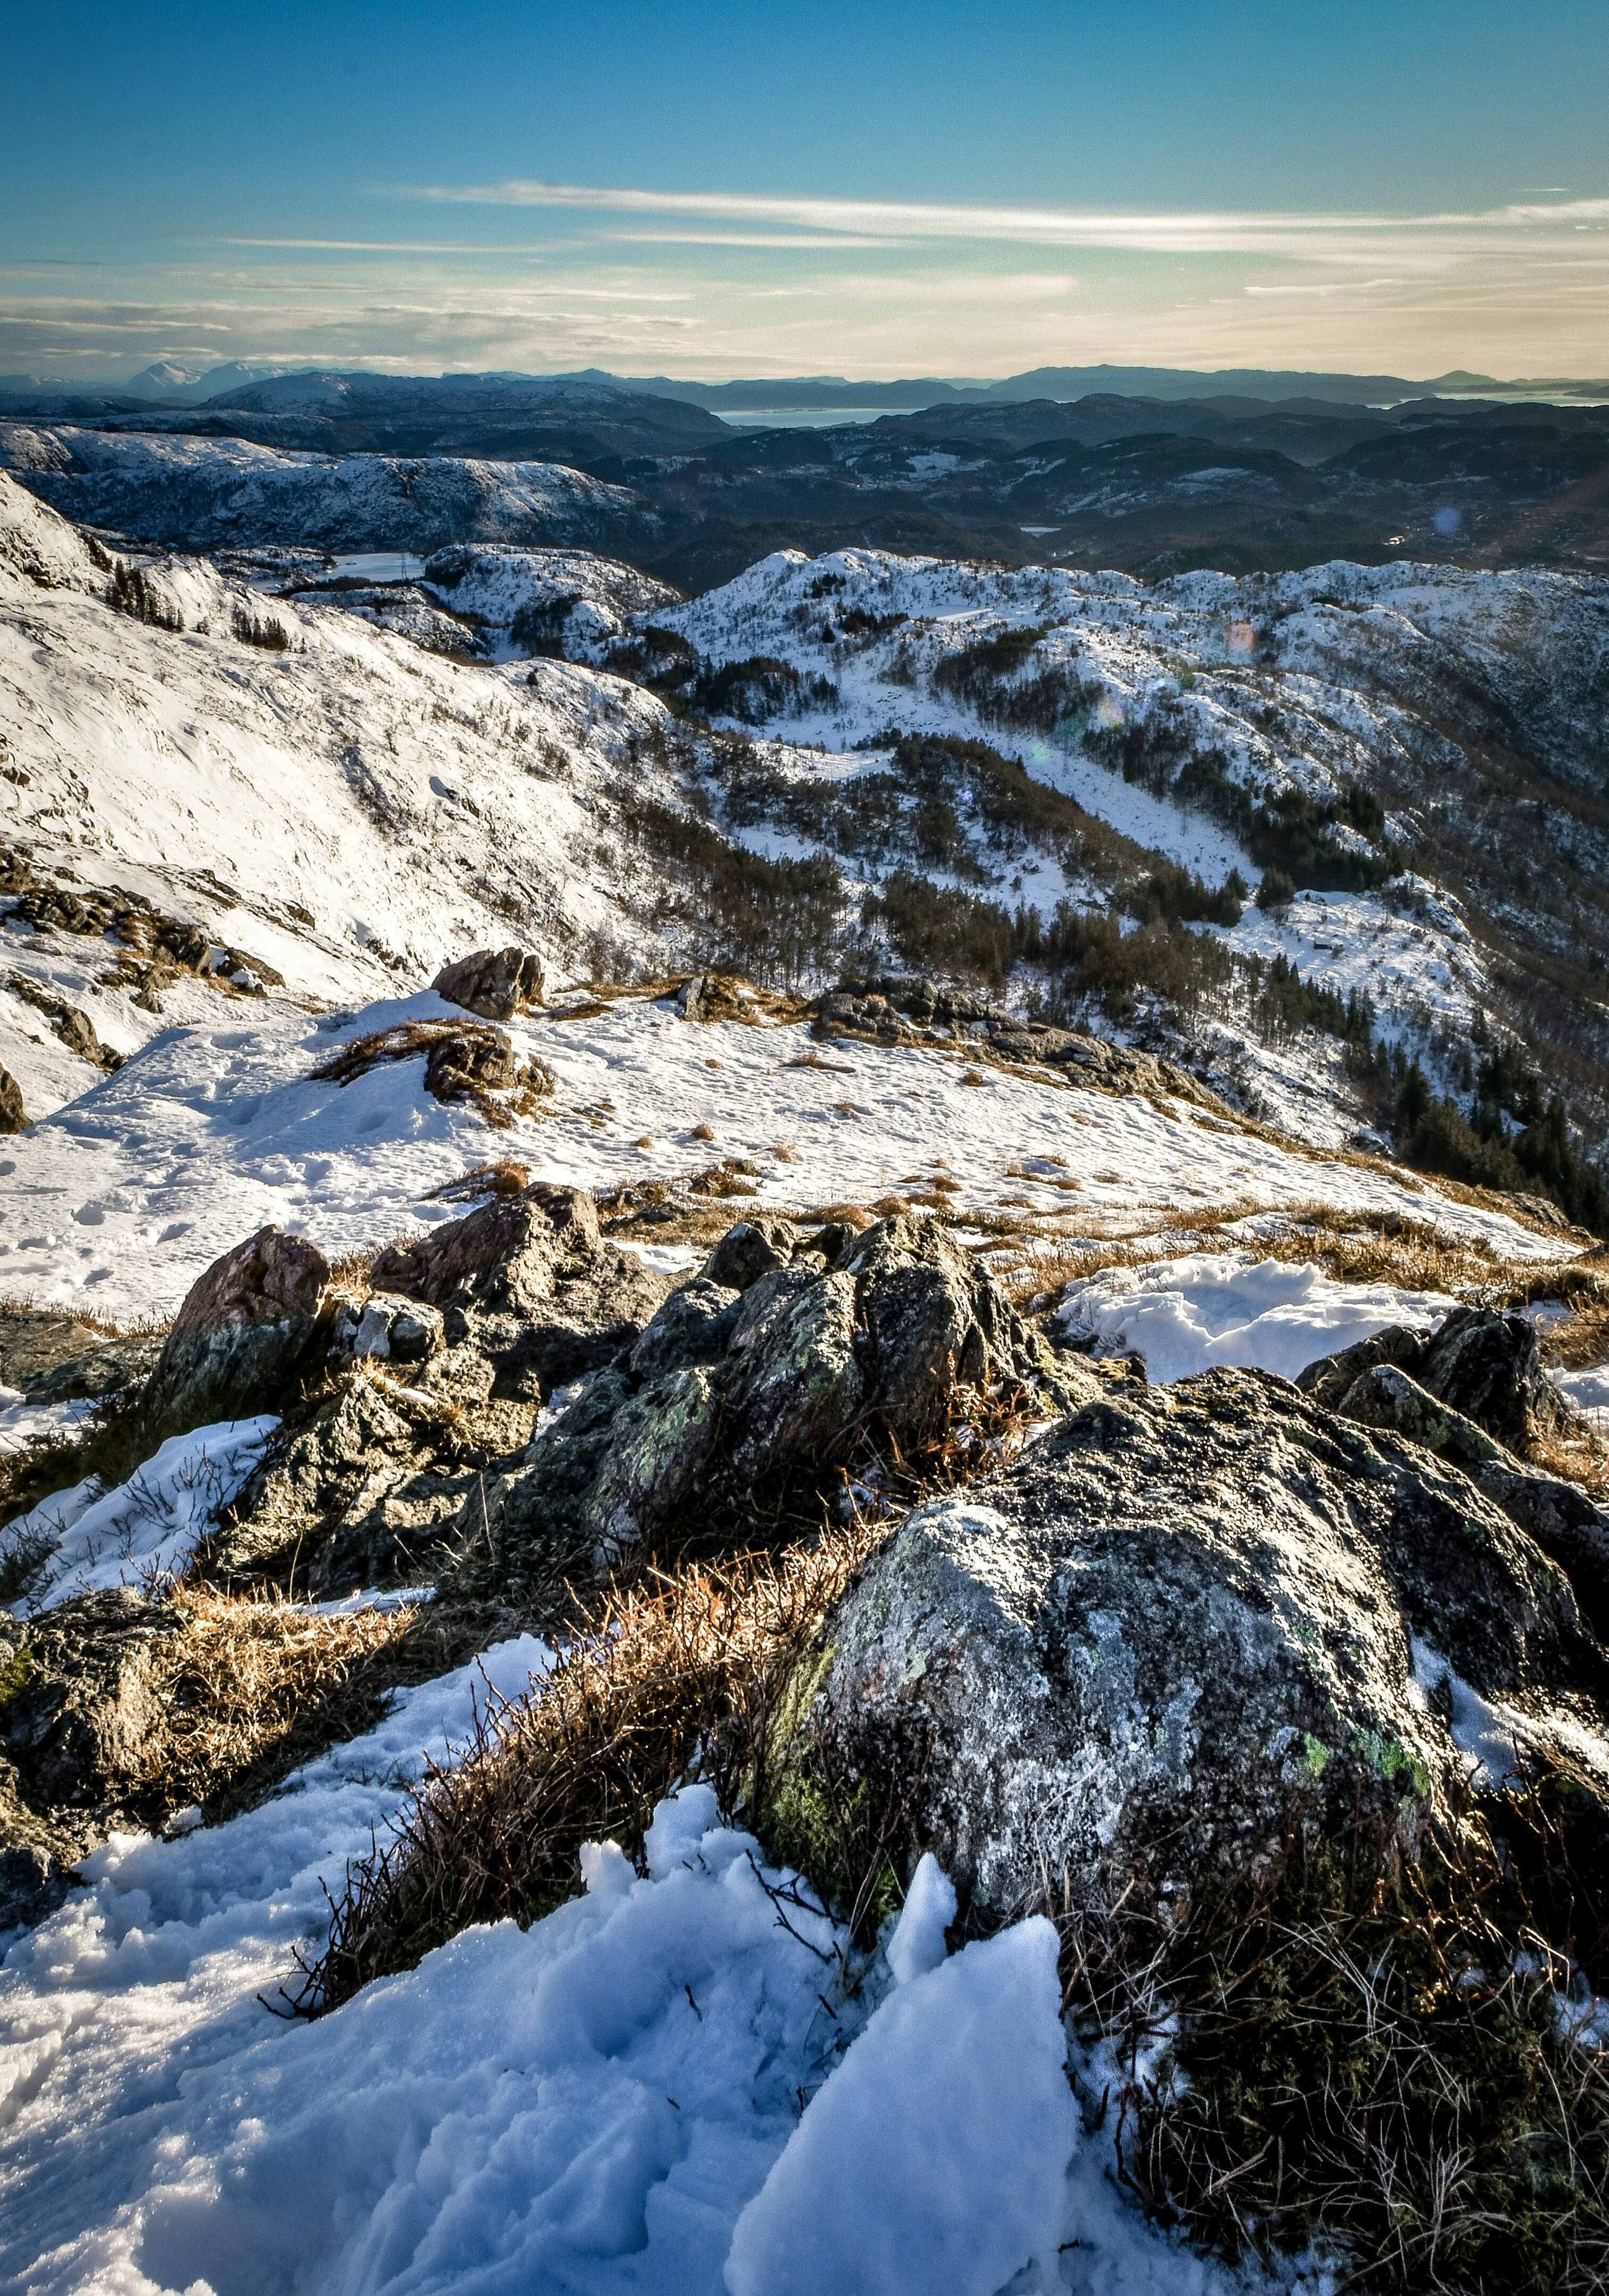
(711, 191)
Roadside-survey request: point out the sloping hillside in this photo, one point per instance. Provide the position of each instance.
(205, 494)
(338, 805)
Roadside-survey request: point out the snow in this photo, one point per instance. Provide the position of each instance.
(345, 812)
(142, 1533)
(126, 2017)
(1484, 1733)
(1337, 646)
(934, 2157)
(374, 1598)
(220, 491)
(1182, 1315)
(589, 2105)
(918, 1944)
(493, 583)
(207, 1133)
(1587, 1390)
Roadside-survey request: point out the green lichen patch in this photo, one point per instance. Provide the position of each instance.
(14, 1676)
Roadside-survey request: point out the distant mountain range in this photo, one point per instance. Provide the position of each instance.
(827, 392)
(167, 383)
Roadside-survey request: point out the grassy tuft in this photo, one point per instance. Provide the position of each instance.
(660, 1675)
(1357, 2054)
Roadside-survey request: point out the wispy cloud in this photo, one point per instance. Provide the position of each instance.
(1338, 235)
(720, 283)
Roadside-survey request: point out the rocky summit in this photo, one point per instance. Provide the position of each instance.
(804, 1230)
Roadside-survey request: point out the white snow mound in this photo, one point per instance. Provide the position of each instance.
(1182, 1315)
(935, 2158)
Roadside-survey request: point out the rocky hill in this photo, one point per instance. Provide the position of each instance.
(750, 1392)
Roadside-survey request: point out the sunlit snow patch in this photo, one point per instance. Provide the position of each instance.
(143, 1533)
(935, 2156)
(1181, 1315)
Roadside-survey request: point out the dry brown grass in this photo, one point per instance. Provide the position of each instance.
(404, 1042)
(845, 1215)
(503, 1178)
(703, 1131)
(142, 1327)
(350, 1274)
(687, 1665)
(1350, 1247)
(252, 1685)
(1343, 2048)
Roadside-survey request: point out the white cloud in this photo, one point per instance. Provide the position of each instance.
(728, 284)
(1325, 236)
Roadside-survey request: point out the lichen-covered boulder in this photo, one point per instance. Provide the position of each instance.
(75, 1709)
(360, 1494)
(1490, 1367)
(496, 983)
(248, 1330)
(751, 1249)
(775, 1366)
(1485, 1366)
(75, 1726)
(1195, 1619)
(1564, 1522)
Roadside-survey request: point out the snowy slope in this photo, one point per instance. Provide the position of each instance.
(207, 493)
(587, 600)
(1211, 648)
(346, 811)
(609, 2101)
(502, 604)
(124, 1197)
(1307, 683)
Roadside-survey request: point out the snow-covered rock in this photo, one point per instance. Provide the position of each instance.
(207, 493)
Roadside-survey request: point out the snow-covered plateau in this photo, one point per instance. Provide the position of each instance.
(253, 805)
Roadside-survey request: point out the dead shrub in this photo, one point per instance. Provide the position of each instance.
(505, 1178)
(1363, 2052)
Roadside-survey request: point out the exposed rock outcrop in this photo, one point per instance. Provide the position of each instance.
(1564, 1522)
(74, 1711)
(54, 1359)
(496, 983)
(1484, 1366)
(249, 1326)
(1195, 1618)
(529, 1283)
(910, 1008)
(13, 1117)
(386, 1329)
(775, 1366)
